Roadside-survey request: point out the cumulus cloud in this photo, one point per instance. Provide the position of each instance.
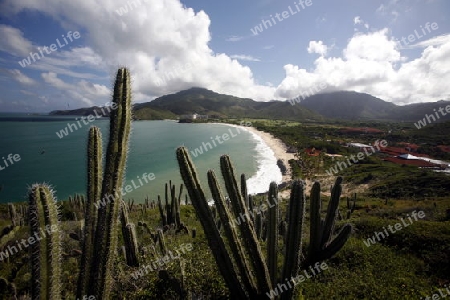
(166, 47)
(317, 47)
(152, 40)
(372, 63)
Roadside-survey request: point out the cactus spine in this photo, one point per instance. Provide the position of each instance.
(45, 282)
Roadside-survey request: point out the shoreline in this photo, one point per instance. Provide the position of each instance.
(277, 146)
(274, 144)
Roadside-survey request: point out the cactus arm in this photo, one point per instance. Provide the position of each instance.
(337, 243)
(316, 223)
(332, 211)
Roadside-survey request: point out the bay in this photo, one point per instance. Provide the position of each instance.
(61, 162)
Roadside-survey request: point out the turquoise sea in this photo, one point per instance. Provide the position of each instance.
(61, 162)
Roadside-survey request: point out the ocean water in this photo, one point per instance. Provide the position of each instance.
(61, 162)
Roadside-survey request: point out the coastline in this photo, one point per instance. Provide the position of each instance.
(278, 148)
(267, 142)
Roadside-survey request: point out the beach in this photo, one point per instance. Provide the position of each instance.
(278, 148)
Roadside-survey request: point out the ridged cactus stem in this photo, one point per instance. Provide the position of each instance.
(94, 180)
(161, 212)
(215, 242)
(245, 195)
(258, 225)
(131, 245)
(232, 236)
(316, 223)
(333, 206)
(12, 214)
(168, 206)
(116, 156)
(296, 213)
(46, 274)
(162, 243)
(247, 230)
(272, 233)
(129, 237)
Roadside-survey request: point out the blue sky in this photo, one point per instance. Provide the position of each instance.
(170, 45)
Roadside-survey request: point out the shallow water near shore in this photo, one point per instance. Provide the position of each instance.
(61, 162)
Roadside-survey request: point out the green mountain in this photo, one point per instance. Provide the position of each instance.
(359, 106)
(206, 102)
(349, 106)
(336, 105)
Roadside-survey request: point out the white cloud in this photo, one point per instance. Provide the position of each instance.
(162, 36)
(371, 63)
(244, 57)
(317, 47)
(83, 91)
(13, 42)
(150, 40)
(434, 41)
(20, 77)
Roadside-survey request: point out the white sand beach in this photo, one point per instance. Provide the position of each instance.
(277, 146)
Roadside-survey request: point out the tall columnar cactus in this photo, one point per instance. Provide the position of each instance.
(116, 156)
(247, 273)
(162, 243)
(12, 214)
(94, 180)
(129, 237)
(45, 254)
(162, 212)
(170, 212)
(216, 243)
(104, 195)
(272, 232)
(293, 238)
(322, 245)
(351, 205)
(247, 230)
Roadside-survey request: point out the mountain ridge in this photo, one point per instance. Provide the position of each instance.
(339, 105)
